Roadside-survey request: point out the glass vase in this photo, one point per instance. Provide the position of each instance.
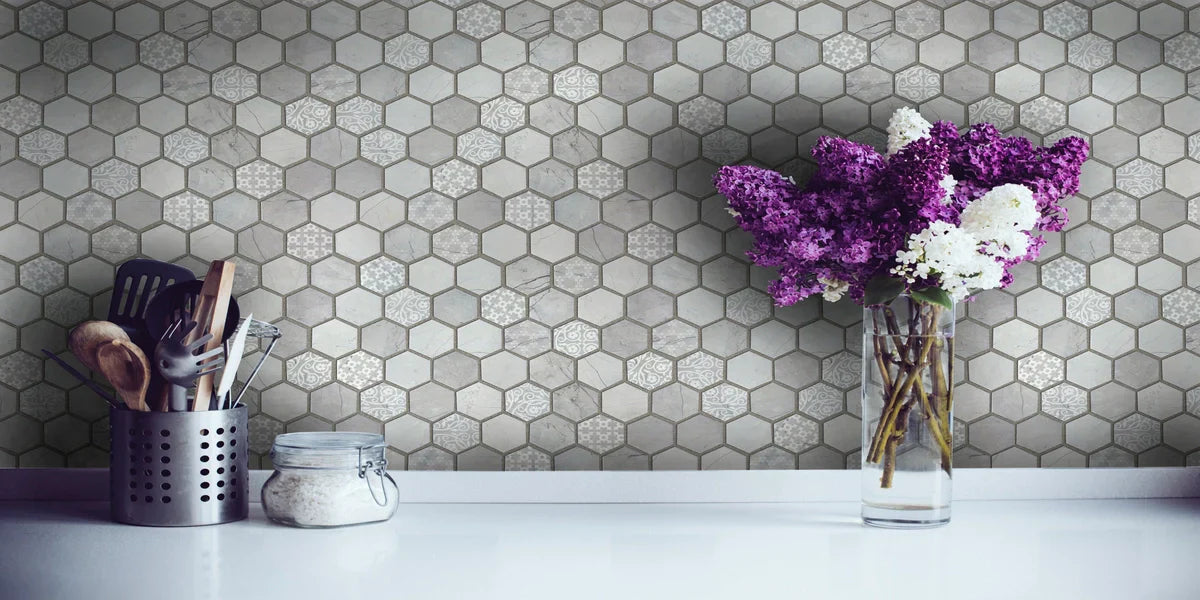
(907, 401)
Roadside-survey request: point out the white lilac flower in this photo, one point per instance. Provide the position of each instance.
(834, 288)
(952, 255)
(1000, 219)
(905, 126)
(946, 247)
(987, 274)
(948, 183)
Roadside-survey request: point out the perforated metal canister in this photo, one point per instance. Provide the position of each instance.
(178, 469)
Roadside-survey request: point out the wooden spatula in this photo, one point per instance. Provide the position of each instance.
(211, 307)
(126, 367)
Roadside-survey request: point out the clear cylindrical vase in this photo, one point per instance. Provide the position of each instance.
(907, 402)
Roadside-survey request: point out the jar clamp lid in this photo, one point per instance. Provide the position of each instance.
(334, 450)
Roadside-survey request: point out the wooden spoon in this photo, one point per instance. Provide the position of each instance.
(127, 369)
(88, 336)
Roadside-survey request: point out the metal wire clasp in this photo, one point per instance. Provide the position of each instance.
(380, 469)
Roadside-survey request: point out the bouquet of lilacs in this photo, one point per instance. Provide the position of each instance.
(941, 216)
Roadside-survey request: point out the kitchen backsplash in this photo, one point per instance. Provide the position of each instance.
(488, 231)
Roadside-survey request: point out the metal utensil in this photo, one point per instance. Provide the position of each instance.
(73, 372)
(233, 358)
(127, 370)
(260, 330)
(177, 361)
(167, 308)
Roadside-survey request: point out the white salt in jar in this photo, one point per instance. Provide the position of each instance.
(329, 479)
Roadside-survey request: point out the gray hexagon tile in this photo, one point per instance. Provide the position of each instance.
(488, 231)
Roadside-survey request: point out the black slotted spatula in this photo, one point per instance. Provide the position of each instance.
(137, 282)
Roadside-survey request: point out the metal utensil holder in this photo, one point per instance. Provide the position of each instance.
(179, 469)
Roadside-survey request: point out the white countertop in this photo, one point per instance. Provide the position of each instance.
(1023, 549)
(1093, 549)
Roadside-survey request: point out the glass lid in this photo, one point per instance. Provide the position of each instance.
(327, 449)
(328, 441)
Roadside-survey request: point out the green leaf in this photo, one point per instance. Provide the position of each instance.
(882, 289)
(933, 295)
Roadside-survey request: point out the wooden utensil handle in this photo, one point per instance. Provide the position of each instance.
(159, 396)
(211, 308)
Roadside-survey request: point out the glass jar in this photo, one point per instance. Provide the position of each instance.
(329, 479)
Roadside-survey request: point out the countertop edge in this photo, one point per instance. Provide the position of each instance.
(679, 486)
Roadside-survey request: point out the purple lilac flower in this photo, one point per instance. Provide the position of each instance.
(860, 208)
(981, 159)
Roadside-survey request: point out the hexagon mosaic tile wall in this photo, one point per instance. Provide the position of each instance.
(487, 228)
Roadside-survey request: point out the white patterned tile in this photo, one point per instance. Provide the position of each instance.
(601, 434)
(407, 307)
(235, 84)
(382, 275)
(600, 179)
(455, 178)
(576, 84)
(259, 179)
(308, 115)
(701, 370)
(748, 52)
(359, 115)
(42, 146)
(1089, 307)
(114, 177)
(503, 307)
(457, 433)
(310, 243)
(649, 371)
(185, 146)
(1064, 402)
(576, 339)
(1040, 369)
(724, 20)
(479, 146)
(502, 115)
(309, 371)
(527, 401)
(406, 51)
(383, 146)
(725, 401)
(186, 211)
(796, 433)
(528, 459)
(478, 20)
(1137, 433)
